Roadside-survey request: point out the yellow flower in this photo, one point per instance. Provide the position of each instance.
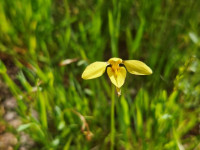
(116, 69)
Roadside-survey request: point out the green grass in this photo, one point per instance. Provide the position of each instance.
(155, 112)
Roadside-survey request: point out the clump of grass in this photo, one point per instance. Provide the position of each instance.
(157, 112)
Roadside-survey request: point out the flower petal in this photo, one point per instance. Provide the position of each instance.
(117, 78)
(114, 59)
(94, 70)
(137, 67)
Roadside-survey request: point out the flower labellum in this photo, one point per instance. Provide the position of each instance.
(116, 69)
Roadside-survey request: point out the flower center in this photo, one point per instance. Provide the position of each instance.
(115, 66)
(114, 62)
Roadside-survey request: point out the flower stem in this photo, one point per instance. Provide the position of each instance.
(112, 118)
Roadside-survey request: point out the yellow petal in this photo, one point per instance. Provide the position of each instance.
(115, 60)
(94, 70)
(137, 67)
(117, 77)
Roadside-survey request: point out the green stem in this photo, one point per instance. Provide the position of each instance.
(112, 118)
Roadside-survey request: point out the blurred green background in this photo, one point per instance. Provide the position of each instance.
(50, 42)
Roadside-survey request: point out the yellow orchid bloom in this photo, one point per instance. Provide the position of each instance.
(116, 69)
